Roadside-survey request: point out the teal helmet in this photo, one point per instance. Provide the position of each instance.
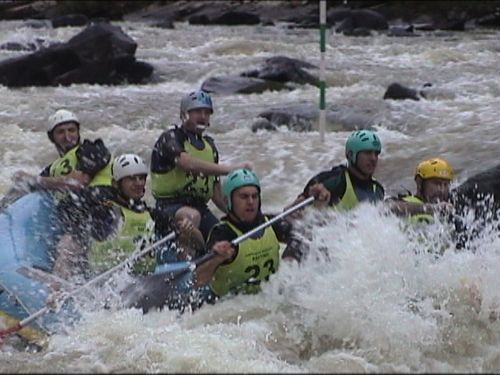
(237, 179)
(361, 140)
(194, 100)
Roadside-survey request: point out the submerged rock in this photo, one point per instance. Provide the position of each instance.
(275, 74)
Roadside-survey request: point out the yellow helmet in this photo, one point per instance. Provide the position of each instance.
(435, 167)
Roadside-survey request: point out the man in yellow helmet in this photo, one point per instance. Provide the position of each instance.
(432, 178)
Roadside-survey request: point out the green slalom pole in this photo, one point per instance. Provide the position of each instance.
(322, 84)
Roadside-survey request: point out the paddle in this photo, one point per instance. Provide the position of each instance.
(10, 197)
(166, 288)
(130, 260)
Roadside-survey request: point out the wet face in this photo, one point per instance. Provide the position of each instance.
(66, 136)
(246, 203)
(133, 187)
(198, 120)
(367, 162)
(435, 190)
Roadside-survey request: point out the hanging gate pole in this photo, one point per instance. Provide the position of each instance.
(322, 84)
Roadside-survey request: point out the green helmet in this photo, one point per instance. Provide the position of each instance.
(361, 140)
(237, 179)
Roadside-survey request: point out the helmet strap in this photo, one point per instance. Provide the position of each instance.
(133, 204)
(420, 187)
(355, 168)
(60, 150)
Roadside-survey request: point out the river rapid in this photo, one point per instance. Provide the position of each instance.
(371, 298)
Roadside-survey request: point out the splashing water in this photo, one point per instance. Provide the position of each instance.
(373, 295)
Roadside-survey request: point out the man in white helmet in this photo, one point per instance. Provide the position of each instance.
(185, 171)
(135, 224)
(115, 222)
(78, 165)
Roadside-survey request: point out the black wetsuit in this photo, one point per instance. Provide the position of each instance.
(166, 150)
(335, 181)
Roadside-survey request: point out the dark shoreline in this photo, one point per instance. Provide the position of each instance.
(303, 13)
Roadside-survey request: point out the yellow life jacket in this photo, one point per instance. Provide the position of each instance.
(256, 260)
(136, 229)
(65, 164)
(104, 176)
(179, 183)
(417, 218)
(349, 199)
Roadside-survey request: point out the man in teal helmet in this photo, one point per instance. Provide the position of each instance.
(349, 185)
(185, 172)
(241, 268)
(346, 186)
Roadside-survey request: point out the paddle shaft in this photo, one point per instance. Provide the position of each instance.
(98, 278)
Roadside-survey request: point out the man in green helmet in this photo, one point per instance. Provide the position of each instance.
(241, 268)
(349, 185)
(346, 186)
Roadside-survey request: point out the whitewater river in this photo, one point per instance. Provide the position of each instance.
(381, 303)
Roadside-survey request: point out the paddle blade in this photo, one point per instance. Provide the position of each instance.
(171, 289)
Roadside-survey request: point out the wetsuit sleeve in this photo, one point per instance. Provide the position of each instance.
(220, 232)
(333, 180)
(166, 149)
(92, 157)
(45, 171)
(320, 177)
(105, 219)
(392, 198)
(104, 216)
(81, 215)
(90, 213)
(379, 191)
(295, 248)
(282, 229)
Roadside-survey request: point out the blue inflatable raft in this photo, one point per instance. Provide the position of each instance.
(28, 235)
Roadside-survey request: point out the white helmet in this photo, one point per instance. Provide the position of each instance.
(127, 165)
(61, 116)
